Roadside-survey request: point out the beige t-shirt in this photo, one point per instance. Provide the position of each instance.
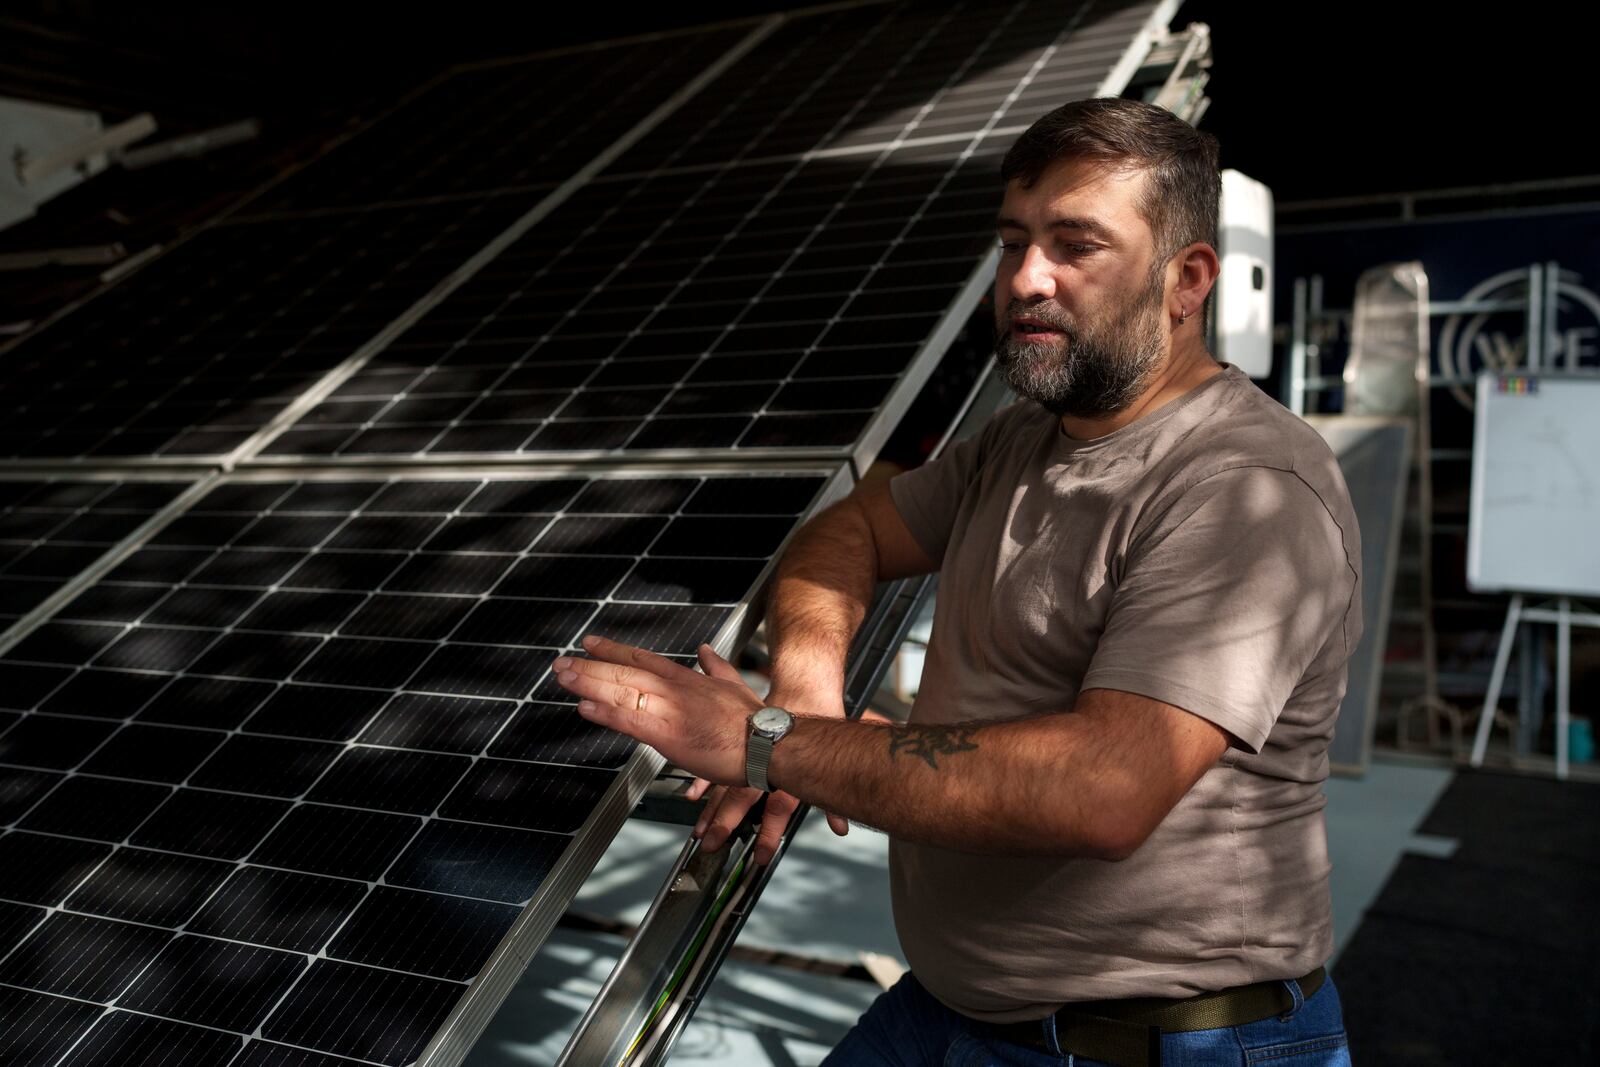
(1207, 556)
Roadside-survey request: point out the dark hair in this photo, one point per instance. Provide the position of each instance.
(1184, 186)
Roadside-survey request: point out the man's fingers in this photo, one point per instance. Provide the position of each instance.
(713, 800)
(697, 789)
(716, 826)
(774, 820)
(630, 678)
(603, 648)
(641, 726)
(608, 683)
(838, 824)
(603, 692)
(717, 667)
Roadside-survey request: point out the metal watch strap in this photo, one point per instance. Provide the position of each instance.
(757, 758)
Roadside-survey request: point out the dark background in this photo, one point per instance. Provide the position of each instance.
(1316, 100)
(1325, 101)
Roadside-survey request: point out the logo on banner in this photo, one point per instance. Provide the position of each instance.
(1498, 341)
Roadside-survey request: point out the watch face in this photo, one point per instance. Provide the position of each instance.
(769, 720)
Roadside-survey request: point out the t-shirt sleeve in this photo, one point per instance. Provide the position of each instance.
(929, 497)
(1227, 598)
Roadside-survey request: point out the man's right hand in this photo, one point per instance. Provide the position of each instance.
(726, 806)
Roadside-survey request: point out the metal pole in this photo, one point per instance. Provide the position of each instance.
(1563, 682)
(1535, 319)
(1508, 634)
(1552, 294)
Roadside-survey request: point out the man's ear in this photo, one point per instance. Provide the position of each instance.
(1197, 267)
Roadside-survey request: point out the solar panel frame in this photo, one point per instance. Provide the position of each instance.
(582, 849)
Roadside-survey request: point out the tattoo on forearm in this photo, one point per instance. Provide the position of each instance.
(928, 743)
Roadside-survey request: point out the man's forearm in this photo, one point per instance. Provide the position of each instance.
(1020, 787)
(820, 595)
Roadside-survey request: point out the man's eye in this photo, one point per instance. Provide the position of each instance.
(1081, 250)
(1010, 248)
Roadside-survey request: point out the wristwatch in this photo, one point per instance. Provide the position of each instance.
(767, 727)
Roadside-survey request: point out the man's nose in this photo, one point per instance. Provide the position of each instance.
(1034, 278)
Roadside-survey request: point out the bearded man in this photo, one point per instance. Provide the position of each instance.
(1105, 812)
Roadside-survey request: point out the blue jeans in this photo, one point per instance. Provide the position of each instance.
(907, 1027)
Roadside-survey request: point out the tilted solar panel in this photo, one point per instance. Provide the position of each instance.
(193, 353)
(774, 267)
(294, 768)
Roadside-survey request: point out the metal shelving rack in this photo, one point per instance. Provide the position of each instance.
(1311, 388)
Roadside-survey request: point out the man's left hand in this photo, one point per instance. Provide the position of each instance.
(699, 722)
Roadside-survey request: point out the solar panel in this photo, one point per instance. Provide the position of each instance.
(197, 351)
(301, 749)
(520, 124)
(192, 354)
(773, 268)
(52, 530)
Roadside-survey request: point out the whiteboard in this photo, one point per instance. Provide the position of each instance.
(1534, 523)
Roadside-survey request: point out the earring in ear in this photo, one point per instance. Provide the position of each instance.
(1183, 316)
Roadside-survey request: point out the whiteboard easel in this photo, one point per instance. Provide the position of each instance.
(1535, 518)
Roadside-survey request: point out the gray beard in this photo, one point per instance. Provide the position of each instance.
(1101, 370)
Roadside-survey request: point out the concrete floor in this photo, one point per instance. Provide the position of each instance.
(829, 898)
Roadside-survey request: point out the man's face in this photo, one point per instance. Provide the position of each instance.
(1078, 295)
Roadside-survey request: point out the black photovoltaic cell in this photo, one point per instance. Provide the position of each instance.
(760, 271)
(80, 956)
(383, 1015)
(283, 909)
(16, 920)
(38, 1027)
(227, 826)
(50, 531)
(101, 809)
(447, 937)
(520, 123)
(269, 1054)
(121, 1038)
(198, 350)
(214, 983)
(345, 788)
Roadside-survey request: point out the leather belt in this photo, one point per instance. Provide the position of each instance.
(1127, 1033)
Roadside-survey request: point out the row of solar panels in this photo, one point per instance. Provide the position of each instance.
(298, 513)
